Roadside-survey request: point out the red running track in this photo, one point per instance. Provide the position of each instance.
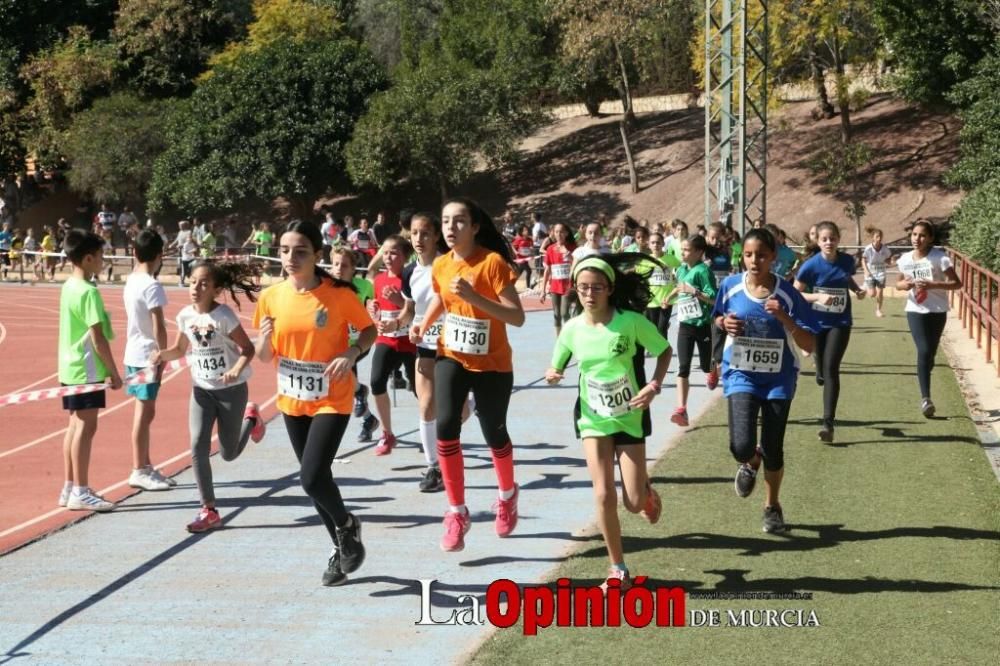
(31, 434)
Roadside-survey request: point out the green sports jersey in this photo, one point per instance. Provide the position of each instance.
(264, 240)
(80, 307)
(674, 251)
(701, 278)
(660, 281)
(208, 243)
(736, 255)
(366, 292)
(606, 357)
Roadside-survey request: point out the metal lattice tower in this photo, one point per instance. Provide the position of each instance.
(736, 68)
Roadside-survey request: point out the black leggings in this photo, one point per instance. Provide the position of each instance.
(452, 383)
(926, 330)
(831, 345)
(385, 361)
(718, 344)
(689, 337)
(315, 440)
(660, 318)
(743, 414)
(525, 267)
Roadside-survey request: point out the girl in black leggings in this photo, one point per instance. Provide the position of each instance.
(927, 273)
(826, 278)
(303, 323)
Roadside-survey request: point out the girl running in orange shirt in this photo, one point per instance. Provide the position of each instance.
(303, 324)
(474, 292)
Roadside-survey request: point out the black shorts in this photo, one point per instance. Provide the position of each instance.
(619, 438)
(95, 400)
(426, 353)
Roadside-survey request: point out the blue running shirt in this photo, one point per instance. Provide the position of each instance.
(820, 275)
(764, 360)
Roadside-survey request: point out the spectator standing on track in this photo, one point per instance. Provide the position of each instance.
(6, 238)
(331, 236)
(84, 358)
(49, 261)
(208, 242)
(380, 230)
(106, 218)
(144, 299)
(186, 248)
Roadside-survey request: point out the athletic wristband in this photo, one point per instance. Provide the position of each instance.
(361, 352)
(657, 386)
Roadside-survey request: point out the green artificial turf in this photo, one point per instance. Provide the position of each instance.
(895, 533)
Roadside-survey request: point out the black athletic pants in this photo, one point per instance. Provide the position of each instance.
(744, 409)
(385, 361)
(315, 440)
(452, 383)
(689, 337)
(926, 330)
(831, 345)
(660, 318)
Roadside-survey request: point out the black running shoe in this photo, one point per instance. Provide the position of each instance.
(774, 520)
(398, 381)
(360, 400)
(349, 546)
(927, 408)
(819, 379)
(746, 479)
(826, 432)
(368, 426)
(432, 481)
(334, 575)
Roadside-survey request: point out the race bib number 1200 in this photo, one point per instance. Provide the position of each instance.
(302, 380)
(609, 398)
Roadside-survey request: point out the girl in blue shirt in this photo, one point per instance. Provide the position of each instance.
(826, 278)
(762, 316)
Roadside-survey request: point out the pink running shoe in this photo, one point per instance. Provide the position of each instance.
(456, 525)
(252, 412)
(654, 506)
(208, 519)
(617, 574)
(712, 380)
(385, 444)
(680, 417)
(506, 514)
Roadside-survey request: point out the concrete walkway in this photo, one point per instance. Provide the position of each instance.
(133, 586)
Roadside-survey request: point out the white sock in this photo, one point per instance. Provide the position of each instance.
(68, 486)
(458, 509)
(428, 439)
(79, 490)
(507, 494)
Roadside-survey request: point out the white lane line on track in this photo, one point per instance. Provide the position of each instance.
(116, 486)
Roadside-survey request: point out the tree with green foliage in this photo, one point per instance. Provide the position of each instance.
(63, 80)
(610, 31)
(433, 124)
(299, 21)
(934, 44)
(165, 44)
(395, 29)
(976, 225)
(273, 123)
(112, 145)
(842, 168)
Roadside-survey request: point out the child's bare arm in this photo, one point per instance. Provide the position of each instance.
(104, 353)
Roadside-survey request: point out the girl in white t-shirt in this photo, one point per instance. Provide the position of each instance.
(218, 352)
(874, 260)
(928, 275)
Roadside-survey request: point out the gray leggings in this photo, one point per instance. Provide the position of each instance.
(562, 307)
(225, 405)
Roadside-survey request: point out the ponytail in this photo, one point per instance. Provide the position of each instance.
(630, 287)
(233, 277)
(488, 235)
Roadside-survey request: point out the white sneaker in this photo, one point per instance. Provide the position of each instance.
(64, 495)
(88, 500)
(141, 478)
(155, 473)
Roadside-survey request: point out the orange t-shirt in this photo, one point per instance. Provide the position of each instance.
(470, 336)
(310, 329)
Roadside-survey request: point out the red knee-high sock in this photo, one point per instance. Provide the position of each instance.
(452, 470)
(503, 465)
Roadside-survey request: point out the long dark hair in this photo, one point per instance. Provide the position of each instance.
(312, 233)
(765, 237)
(488, 235)
(233, 277)
(435, 221)
(631, 288)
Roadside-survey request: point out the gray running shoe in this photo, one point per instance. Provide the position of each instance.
(432, 481)
(368, 426)
(927, 408)
(333, 575)
(774, 520)
(349, 546)
(746, 479)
